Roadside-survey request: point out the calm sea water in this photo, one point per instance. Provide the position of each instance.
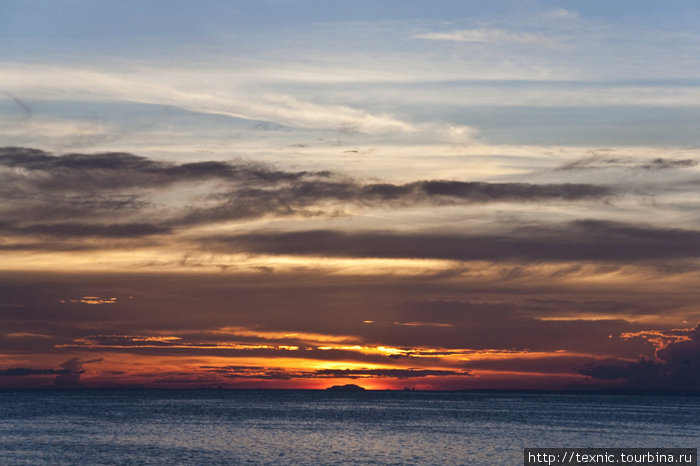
(202, 427)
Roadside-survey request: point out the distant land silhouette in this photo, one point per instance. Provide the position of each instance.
(346, 388)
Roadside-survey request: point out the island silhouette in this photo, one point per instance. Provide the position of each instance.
(346, 388)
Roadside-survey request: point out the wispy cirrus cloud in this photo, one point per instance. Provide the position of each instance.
(561, 14)
(488, 35)
(226, 95)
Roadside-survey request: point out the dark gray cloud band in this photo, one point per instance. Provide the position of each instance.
(78, 230)
(25, 371)
(114, 170)
(121, 195)
(585, 240)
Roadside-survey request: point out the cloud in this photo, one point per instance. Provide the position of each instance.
(286, 374)
(397, 373)
(561, 13)
(66, 377)
(458, 328)
(47, 195)
(244, 372)
(603, 162)
(498, 326)
(488, 36)
(26, 110)
(69, 377)
(107, 171)
(308, 197)
(118, 170)
(314, 197)
(283, 309)
(236, 94)
(443, 191)
(666, 163)
(542, 363)
(23, 371)
(583, 240)
(78, 230)
(125, 196)
(256, 322)
(676, 365)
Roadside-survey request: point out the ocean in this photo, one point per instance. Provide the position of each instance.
(209, 427)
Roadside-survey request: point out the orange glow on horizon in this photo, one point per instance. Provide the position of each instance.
(151, 371)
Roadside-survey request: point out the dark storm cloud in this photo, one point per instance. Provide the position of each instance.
(584, 240)
(676, 365)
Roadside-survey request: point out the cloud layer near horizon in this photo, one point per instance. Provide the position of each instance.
(273, 328)
(500, 297)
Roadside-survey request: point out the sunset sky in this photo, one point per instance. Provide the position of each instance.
(304, 193)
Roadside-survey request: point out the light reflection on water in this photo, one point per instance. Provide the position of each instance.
(318, 427)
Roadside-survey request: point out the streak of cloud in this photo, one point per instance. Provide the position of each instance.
(603, 162)
(24, 371)
(25, 108)
(50, 196)
(484, 36)
(583, 240)
(286, 374)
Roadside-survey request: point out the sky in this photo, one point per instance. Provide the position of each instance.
(398, 194)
